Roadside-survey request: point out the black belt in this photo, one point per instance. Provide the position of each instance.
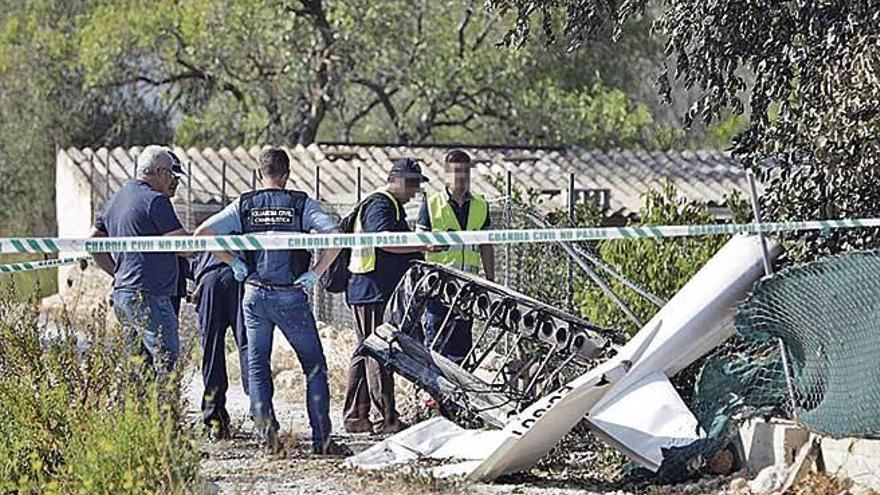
(272, 286)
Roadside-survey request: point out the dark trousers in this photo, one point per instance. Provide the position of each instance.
(219, 308)
(175, 303)
(369, 383)
(456, 339)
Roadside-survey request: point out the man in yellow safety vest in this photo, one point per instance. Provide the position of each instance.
(375, 273)
(455, 209)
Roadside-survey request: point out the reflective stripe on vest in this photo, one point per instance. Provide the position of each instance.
(363, 259)
(443, 219)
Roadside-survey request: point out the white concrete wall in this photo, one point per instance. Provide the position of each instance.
(770, 443)
(73, 210)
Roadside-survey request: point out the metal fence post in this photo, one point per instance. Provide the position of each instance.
(768, 272)
(253, 180)
(223, 184)
(360, 190)
(317, 291)
(107, 179)
(507, 220)
(92, 186)
(189, 195)
(571, 221)
(317, 182)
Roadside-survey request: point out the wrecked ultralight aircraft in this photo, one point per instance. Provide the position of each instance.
(627, 400)
(522, 347)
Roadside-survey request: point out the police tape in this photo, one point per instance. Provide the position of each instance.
(25, 266)
(282, 241)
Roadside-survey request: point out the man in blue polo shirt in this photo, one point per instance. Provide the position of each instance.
(275, 295)
(375, 274)
(143, 283)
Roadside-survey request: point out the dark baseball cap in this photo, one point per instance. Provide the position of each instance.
(176, 165)
(407, 168)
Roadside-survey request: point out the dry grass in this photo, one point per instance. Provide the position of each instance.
(339, 343)
(822, 484)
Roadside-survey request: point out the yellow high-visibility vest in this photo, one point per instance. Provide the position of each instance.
(443, 219)
(363, 259)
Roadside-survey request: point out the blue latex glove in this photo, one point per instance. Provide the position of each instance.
(307, 280)
(239, 269)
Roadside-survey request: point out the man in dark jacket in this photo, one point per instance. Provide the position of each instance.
(375, 273)
(218, 303)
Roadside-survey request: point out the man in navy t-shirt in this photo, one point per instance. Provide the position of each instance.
(143, 283)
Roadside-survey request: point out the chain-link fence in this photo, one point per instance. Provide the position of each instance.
(824, 315)
(542, 271)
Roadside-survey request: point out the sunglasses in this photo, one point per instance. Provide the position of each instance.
(174, 176)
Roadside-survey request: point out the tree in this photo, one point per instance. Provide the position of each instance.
(304, 70)
(235, 72)
(806, 74)
(45, 107)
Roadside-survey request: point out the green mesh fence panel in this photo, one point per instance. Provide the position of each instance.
(741, 379)
(827, 315)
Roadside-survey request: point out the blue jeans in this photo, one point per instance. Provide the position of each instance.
(151, 325)
(264, 309)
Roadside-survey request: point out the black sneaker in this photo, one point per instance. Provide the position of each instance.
(331, 449)
(217, 432)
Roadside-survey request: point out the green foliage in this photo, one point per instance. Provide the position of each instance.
(234, 72)
(377, 71)
(80, 415)
(804, 73)
(25, 285)
(136, 450)
(662, 266)
(596, 116)
(46, 105)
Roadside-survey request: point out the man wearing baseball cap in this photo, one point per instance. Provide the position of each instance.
(144, 283)
(375, 273)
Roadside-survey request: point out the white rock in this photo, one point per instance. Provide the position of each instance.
(769, 479)
(739, 485)
(860, 490)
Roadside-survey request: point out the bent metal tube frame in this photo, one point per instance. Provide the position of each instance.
(522, 348)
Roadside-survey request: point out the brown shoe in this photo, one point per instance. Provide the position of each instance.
(272, 445)
(390, 428)
(358, 426)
